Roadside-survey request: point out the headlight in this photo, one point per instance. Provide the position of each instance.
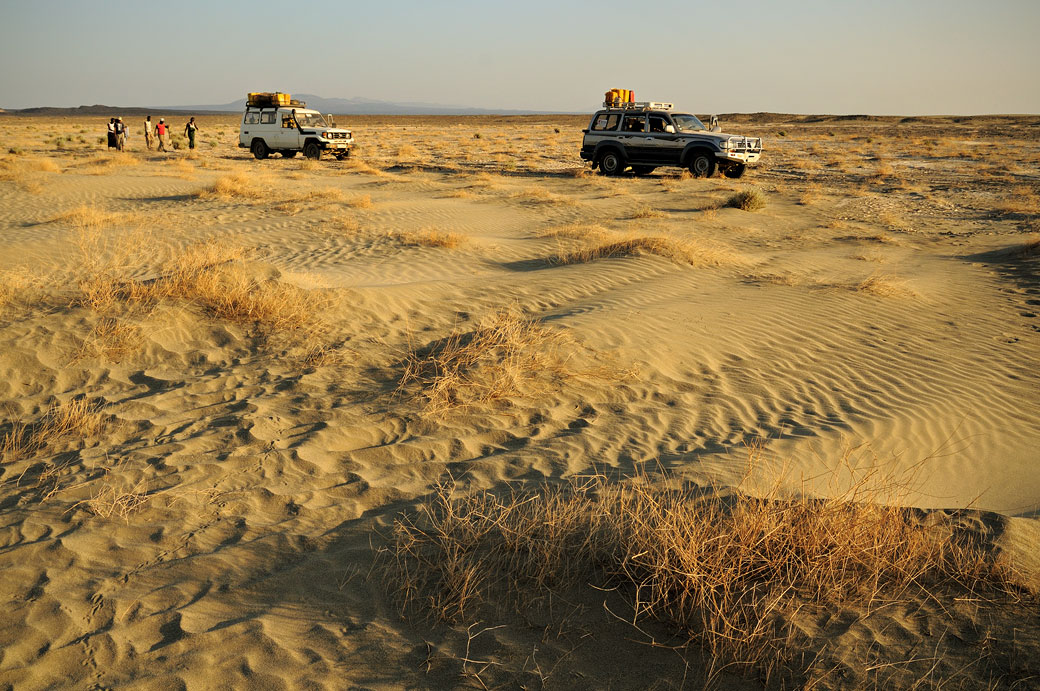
(725, 144)
(326, 135)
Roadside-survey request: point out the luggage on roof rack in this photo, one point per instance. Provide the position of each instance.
(269, 99)
(640, 105)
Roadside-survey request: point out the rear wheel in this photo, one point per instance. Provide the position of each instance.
(643, 170)
(735, 171)
(702, 164)
(259, 149)
(611, 163)
(312, 150)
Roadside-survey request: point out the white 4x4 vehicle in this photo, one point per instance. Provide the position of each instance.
(286, 130)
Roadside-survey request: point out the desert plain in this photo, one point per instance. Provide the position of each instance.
(460, 413)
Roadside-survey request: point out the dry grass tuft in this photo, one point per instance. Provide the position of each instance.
(236, 186)
(751, 199)
(360, 202)
(644, 211)
(577, 231)
(112, 339)
(505, 356)
(541, 195)
(885, 286)
(90, 218)
(730, 571)
(80, 418)
(428, 237)
(681, 251)
(1022, 201)
(18, 286)
(215, 276)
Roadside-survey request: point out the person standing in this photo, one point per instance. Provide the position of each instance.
(120, 134)
(189, 130)
(111, 133)
(148, 132)
(160, 134)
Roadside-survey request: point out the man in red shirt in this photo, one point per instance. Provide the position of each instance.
(160, 134)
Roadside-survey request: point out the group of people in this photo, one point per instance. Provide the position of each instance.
(154, 133)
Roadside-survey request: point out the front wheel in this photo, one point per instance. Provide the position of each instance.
(259, 149)
(611, 163)
(736, 170)
(312, 151)
(702, 164)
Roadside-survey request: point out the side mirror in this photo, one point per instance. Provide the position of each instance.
(670, 129)
(713, 124)
(332, 123)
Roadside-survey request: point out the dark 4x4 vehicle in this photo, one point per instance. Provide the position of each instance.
(647, 135)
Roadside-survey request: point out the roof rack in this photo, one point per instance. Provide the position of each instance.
(640, 105)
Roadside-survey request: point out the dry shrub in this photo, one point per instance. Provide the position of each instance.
(216, 277)
(730, 571)
(644, 211)
(428, 237)
(236, 186)
(1022, 201)
(505, 356)
(363, 201)
(112, 339)
(18, 286)
(325, 195)
(577, 231)
(895, 221)
(116, 496)
(459, 194)
(90, 218)
(680, 251)
(751, 199)
(810, 196)
(78, 418)
(106, 164)
(346, 225)
(885, 286)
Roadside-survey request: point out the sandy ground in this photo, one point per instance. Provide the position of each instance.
(211, 516)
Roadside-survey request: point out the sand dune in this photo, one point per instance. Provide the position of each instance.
(208, 432)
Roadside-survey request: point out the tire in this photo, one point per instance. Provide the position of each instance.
(611, 162)
(312, 150)
(643, 170)
(702, 164)
(259, 149)
(736, 170)
(291, 153)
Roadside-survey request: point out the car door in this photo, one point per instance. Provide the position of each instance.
(663, 146)
(288, 132)
(633, 136)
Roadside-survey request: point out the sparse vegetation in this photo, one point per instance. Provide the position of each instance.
(751, 199)
(727, 570)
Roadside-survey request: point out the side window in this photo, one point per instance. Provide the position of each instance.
(606, 121)
(267, 117)
(633, 123)
(287, 121)
(657, 124)
(251, 118)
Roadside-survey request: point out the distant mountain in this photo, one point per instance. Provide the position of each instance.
(364, 106)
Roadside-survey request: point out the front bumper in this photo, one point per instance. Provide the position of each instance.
(739, 156)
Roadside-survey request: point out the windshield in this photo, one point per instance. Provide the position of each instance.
(310, 119)
(687, 123)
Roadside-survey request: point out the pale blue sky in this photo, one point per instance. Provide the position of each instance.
(816, 56)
